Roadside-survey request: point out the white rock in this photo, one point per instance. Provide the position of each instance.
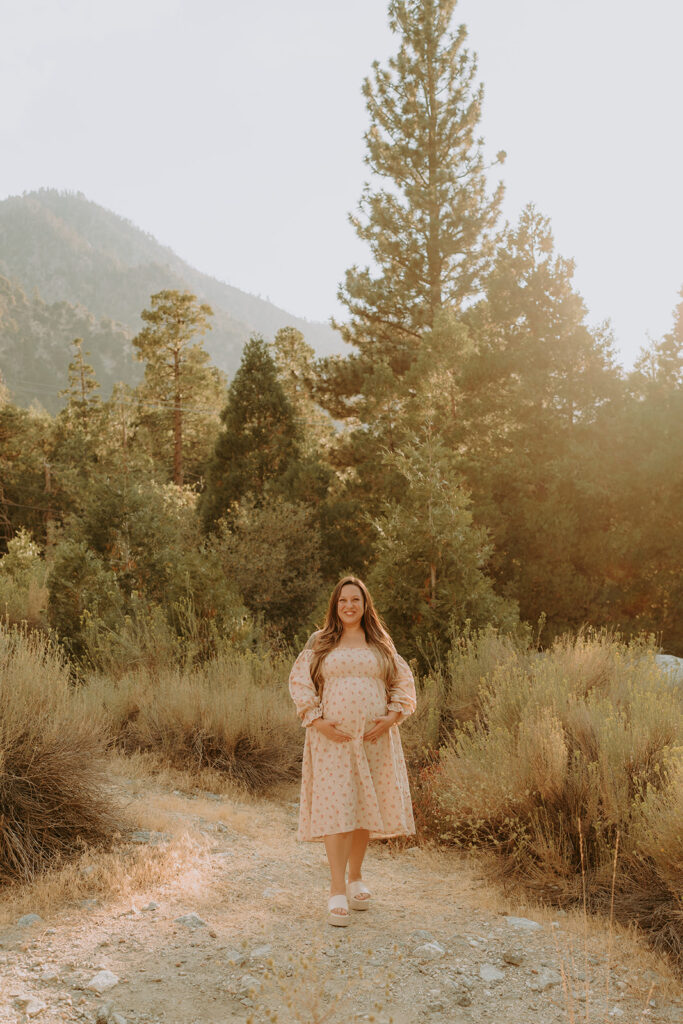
(28, 919)
(30, 1005)
(616, 1011)
(150, 906)
(191, 921)
(236, 957)
(487, 972)
(248, 981)
(429, 951)
(523, 923)
(102, 982)
(49, 974)
(259, 952)
(544, 980)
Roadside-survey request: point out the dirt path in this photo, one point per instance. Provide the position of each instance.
(436, 946)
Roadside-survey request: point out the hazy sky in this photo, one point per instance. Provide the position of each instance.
(232, 131)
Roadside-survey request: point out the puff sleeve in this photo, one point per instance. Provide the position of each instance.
(302, 690)
(402, 695)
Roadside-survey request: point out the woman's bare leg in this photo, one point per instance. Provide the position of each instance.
(338, 847)
(359, 844)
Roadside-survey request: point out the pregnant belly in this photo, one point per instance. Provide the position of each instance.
(354, 706)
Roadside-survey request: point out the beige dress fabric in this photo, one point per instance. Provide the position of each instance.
(356, 784)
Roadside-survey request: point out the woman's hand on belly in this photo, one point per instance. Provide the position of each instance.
(382, 725)
(330, 730)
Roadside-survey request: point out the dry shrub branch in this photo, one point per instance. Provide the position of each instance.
(53, 784)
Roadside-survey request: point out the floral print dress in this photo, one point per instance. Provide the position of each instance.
(358, 783)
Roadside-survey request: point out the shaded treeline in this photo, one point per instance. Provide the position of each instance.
(479, 456)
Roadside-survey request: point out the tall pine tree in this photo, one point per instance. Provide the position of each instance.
(179, 386)
(259, 437)
(429, 224)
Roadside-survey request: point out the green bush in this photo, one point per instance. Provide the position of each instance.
(565, 750)
(23, 594)
(80, 582)
(53, 783)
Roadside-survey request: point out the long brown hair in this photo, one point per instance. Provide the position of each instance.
(329, 636)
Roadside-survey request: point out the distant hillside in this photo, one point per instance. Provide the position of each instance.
(73, 268)
(35, 347)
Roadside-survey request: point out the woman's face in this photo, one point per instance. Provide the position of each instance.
(350, 605)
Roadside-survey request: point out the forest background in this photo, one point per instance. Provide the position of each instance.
(479, 457)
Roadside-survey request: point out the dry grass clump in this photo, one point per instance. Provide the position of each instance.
(586, 738)
(231, 715)
(53, 784)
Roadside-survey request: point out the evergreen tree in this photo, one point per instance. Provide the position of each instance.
(429, 575)
(179, 388)
(80, 392)
(259, 437)
(297, 372)
(76, 434)
(429, 227)
(515, 387)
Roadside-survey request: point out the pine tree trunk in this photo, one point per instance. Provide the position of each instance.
(177, 424)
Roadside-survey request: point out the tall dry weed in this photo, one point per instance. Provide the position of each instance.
(53, 783)
(232, 714)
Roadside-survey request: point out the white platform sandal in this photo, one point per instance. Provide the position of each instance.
(340, 901)
(352, 890)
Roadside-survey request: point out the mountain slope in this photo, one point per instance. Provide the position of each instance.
(35, 346)
(70, 250)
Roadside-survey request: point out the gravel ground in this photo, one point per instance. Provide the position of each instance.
(237, 931)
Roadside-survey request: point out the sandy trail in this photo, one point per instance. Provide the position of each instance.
(436, 945)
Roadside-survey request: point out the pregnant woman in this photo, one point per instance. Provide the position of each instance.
(351, 689)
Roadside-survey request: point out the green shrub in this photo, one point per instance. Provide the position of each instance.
(53, 791)
(569, 748)
(23, 594)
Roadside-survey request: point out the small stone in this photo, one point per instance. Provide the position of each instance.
(28, 919)
(191, 921)
(513, 957)
(102, 982)
(544, 980)
(236, 957)
(248, 981)
(429, 951)
(524, 923)
(117, 1018)
(422, 936)
(464, 999)
(616, 1011)
(103, 1013)
(30, 1005)
(261, 952)
(49, 974)
(150, 906)
(488, 973)
(436, 1006)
